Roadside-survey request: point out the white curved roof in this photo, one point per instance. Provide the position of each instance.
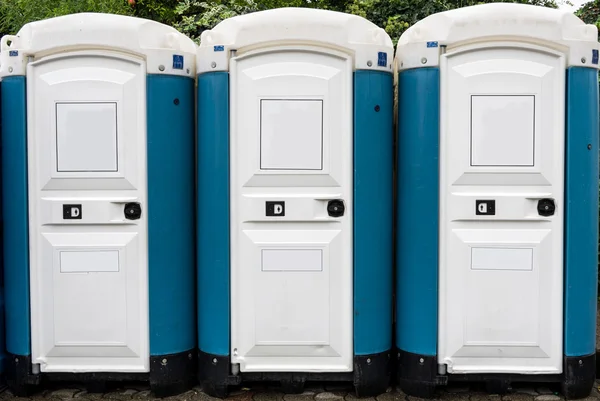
(100, 30)
(500, 19)
(297, 25)
(497, 21)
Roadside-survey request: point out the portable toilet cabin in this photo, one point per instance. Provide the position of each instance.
(294, 221)
(497, 199)
(98, 185)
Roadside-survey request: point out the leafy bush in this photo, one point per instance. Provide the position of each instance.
(16, 13)
(197, 16)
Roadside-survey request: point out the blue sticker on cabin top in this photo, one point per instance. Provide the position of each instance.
(13, 53)
(382, 59)
(432, 44)
(594, 56)
(177, 62)
(219, 48)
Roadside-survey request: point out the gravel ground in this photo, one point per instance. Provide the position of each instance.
(313, 392)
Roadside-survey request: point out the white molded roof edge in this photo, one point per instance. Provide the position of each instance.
(307, 26)
(85, 31)
(497, 22)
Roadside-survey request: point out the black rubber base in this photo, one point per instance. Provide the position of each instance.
(417, 376)
(579, 375)
(19, 379)
(172, 374)
(214, 374)
(169, 375)
(371, 375)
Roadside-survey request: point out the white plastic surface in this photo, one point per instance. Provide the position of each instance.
(421, 44)
(502, 130)
(501, 275)
(89, 261)
(291, 134)
(86, 136)
(351, 34)
(291, 274)
(293, 260)
(483, 258)
(89, 275)
(155, 42)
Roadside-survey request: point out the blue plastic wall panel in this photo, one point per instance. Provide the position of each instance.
(373, 206)
(581, 213)
(15, 208)
(171, 217)
(2, 342)
(417, 211)
(213, 213)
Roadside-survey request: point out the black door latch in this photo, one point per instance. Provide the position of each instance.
(336, 208)
(133, 211)
(546, 207)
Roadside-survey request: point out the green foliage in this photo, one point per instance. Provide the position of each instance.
(270, 4)
(16, 13)
(395, 16)
(335, 5)
(197, 15)
(158, 10)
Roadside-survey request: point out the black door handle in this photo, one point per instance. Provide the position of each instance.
(133, 211)
(546, 207)
(336, 208)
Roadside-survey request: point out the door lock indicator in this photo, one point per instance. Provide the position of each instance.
(546, 207)
(336, 208)
(485, 207)
(133, 211)
(275, 209)
(72, 212)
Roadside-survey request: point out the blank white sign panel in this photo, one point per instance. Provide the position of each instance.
(502, 130)
(291, 134)
(298, 260)
(501, 258)
(89, 261)
(86, 136)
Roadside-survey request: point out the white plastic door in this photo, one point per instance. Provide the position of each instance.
(291, 263)
(501, 263)
(88, 263)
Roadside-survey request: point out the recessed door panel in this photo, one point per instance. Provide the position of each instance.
(291, 253)
(501, 211)
(87, 162)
